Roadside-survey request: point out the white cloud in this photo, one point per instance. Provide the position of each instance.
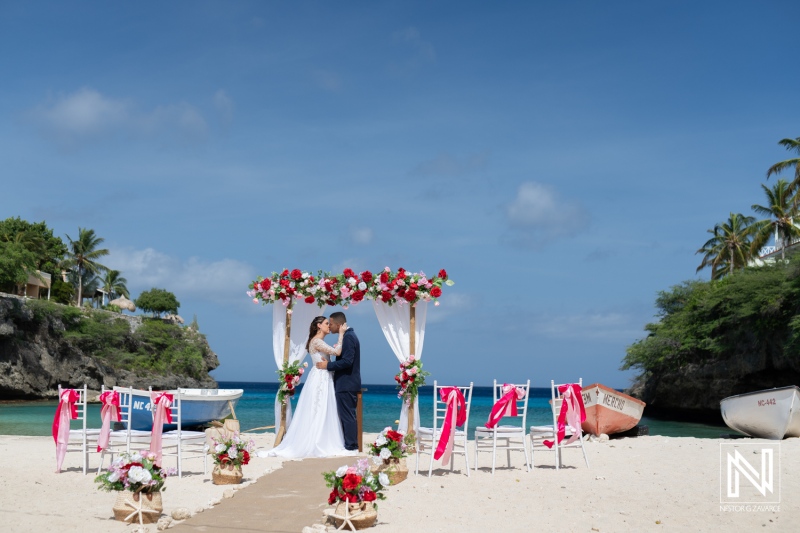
(86, 115)
(361, 235)
(447, 165)
(221, 281)
(603, 326)
(539, 214)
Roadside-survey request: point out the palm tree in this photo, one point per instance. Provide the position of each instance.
(115, 285)
(780, 211)
(730, 246)
(83, 254)
(793, 145)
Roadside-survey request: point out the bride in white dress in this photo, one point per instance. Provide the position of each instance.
(315, 430)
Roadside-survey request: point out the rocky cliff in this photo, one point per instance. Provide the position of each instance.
(43, 344)
(694, 391)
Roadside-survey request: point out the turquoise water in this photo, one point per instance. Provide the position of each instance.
(381, 409)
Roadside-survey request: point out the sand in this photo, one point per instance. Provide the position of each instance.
(637, 484)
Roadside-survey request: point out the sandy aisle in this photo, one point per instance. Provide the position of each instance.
(643, 484)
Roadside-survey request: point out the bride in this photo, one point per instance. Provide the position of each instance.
(315, 430)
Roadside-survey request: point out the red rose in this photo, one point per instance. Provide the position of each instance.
(266, 284)
(394, 435)
(290, 290)
(348, 273)
(369, 496)
(309, 299)
(401, 292)
(282, 296)
(284, 282)
(443, 274)
(358, 296)
(285, 272)
(311, 279)
(350, 498)
(397, 379)
(245, 457)
(384, 277)
(296, 274)
(332, 497)
(386, 296)
(436, 292)
(351, 482)
(366, 276)
(414, 286)
(410, 296)
(401, 273)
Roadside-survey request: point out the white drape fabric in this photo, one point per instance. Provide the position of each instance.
(395, 323)
(302, 315)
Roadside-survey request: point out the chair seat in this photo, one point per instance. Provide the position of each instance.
(548, 430)
(429, 431)
(185, 435)
(500, 429)
(79, 432)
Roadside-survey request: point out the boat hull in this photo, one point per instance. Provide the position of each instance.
(609, 411)
(200, 406)
(767, 414)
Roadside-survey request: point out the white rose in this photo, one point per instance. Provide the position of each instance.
(113, 476)
(219, 448)
(388, 429)
(352, 281)
(233, 453)
(135, 457)
(380, 441)
(341, 471)
(137, 474)
(362, 286)
(385, 453)
(376, 459)
(383, 479)
(305, 275)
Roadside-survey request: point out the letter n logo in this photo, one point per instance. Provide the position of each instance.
(750, 472)
(737, 465)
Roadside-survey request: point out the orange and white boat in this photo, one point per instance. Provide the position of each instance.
(609, 411)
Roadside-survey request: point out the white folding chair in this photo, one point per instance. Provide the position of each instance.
(513, 435)
(538, 434)
(180, 443)
(427, 438)
(81, 440)
(126, 438)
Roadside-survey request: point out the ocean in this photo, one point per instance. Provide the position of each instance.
(381, 409)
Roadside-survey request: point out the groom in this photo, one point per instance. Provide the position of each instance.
(346, 379)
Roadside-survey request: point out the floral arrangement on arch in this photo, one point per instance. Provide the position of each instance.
(232, 450)
(134, 472)
(349, 288)
(410, 378)
(289, 378)
(389, 445)
(355, 484)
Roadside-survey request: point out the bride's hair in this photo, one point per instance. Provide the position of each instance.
(313, 329)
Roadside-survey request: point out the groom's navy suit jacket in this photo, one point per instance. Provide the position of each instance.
(347, 367)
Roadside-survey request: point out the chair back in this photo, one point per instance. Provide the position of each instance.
(522, 403)
(556, 398)
(440, 407)
(80, 405)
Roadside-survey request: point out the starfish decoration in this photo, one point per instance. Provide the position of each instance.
(346, 518)
(138, 511)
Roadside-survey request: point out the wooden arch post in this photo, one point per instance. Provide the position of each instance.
(412, 342)
(286, 345)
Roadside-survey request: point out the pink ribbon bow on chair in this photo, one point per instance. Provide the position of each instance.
(161, 403)
(506, 405)
(61, 423)
(572, 410)
(455, 415)
(109, 412)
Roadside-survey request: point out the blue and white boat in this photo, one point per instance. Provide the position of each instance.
(200, 406)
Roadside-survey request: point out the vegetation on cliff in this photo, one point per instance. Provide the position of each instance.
(705, 321)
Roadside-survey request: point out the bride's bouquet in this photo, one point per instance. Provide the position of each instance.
(289, 379)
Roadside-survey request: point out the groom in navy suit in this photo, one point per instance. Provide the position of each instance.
(346, 379)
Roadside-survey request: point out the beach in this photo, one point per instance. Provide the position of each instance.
(649, 483)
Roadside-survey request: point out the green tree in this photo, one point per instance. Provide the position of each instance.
(780, 211)
(37, 238)
(157, 301)
(83, 255)
(61, 291)
(730, 245)
(16, 263)
(792, 145)
(115, 285)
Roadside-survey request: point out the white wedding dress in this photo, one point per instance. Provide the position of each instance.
(315, 430)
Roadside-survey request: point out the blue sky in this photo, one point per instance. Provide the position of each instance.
(562, 160)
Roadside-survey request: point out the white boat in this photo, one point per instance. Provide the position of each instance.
(609, 411)
(200, 406)
(767, 414)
